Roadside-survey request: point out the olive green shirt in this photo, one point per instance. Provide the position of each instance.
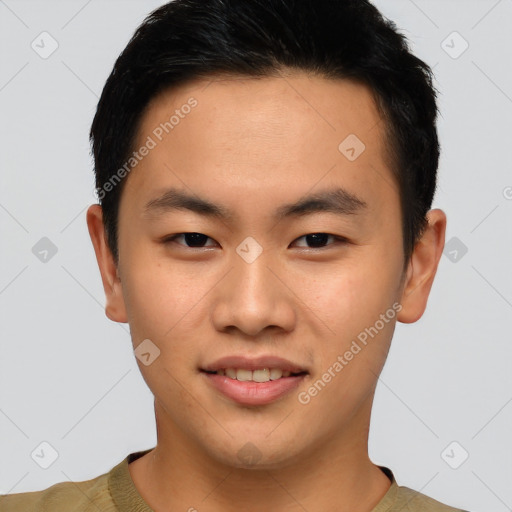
(115, 492)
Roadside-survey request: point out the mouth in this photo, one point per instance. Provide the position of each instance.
(258, 375)
(259, 381)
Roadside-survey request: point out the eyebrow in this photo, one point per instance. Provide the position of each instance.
(338, 201)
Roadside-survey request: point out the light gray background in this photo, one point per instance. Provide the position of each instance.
(68, 375)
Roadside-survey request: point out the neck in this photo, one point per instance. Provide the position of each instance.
(335, 475)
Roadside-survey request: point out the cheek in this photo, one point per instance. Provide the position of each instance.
(161, 304)
(352, 293)
(348, 303)
(159, 296)
(356, 342)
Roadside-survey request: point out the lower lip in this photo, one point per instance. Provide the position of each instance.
(253, 393)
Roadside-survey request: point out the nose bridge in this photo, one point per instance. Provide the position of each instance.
(255, 280)
(252, 298)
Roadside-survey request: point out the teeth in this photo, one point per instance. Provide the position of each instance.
(276, 373)
(260, 375)
(243, 375)
(231, 373)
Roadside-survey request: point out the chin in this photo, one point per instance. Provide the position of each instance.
(257, 454)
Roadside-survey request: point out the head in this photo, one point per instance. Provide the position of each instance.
(257, 125)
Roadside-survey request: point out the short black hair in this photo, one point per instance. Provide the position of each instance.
(342, 39)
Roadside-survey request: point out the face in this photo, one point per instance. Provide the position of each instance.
(292, 265)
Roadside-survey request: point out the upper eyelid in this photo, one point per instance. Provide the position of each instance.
(171, 238)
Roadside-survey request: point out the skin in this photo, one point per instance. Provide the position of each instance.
(252, 145)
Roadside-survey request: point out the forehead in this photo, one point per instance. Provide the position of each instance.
(282, 135)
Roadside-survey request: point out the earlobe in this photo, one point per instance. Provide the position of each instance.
(114, 308)
(422, 268)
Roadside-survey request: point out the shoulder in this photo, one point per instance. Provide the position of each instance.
(409, 500)
(403, 499)
(87, 496)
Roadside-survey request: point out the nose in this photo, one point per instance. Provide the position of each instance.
(254, 297)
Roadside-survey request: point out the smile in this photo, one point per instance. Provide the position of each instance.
(259, 375)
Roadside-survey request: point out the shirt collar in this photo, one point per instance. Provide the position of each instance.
(127, 498)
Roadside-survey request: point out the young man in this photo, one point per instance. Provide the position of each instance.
(265, 171)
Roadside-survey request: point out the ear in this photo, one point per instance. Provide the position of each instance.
(114, 308)
(422, 268)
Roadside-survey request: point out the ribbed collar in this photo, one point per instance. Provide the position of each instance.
(127, 498)
(122, 489)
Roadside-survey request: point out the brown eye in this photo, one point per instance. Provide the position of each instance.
(320, 240)
(192, 240)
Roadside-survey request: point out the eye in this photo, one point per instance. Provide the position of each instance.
(198, 240)
(193, 240)
(319, 240)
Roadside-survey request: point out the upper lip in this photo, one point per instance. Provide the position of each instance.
(254, 363)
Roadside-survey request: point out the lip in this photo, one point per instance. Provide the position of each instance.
(253, 393)
(250, 392)
(255, 363)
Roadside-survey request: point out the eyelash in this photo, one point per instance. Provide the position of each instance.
(338, 240)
